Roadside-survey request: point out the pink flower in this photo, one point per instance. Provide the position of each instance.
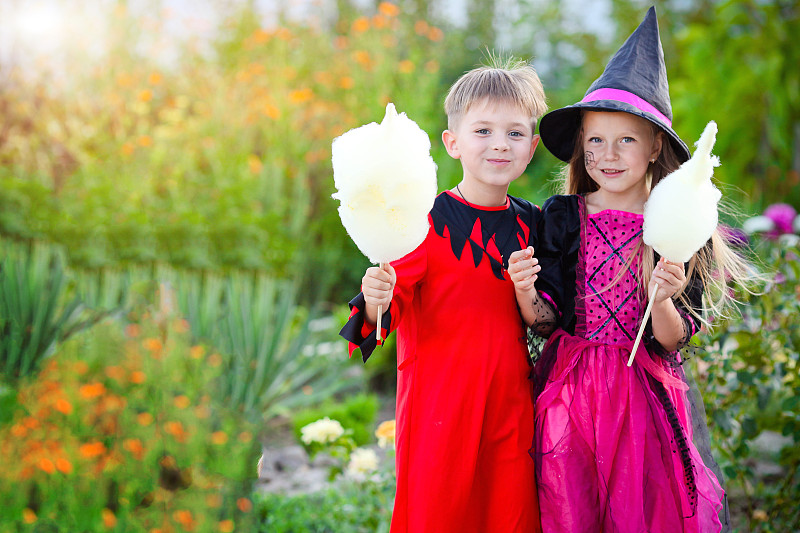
(783, 217)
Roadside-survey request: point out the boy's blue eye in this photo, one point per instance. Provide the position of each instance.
(516, 134)
(482, 131)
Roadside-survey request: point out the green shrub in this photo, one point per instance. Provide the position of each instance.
(750, 374)
(356, 414)
(348, 507)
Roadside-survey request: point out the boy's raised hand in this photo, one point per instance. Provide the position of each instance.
(378, 288)
(523, 268)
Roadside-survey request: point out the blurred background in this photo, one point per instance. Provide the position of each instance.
(174, 273)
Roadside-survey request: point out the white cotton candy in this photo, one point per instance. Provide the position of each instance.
(386, 183)
(681, 213)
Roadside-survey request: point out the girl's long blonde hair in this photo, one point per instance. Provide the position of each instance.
(718, 265)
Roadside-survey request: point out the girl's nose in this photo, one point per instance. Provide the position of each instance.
(611, 153)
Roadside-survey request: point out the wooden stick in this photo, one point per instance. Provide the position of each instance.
(641, 328)
(380, 316)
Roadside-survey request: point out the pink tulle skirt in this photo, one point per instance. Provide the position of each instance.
(613, 444)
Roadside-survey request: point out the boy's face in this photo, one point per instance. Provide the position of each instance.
(494, 141)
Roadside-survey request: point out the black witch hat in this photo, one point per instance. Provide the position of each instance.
(634, 81)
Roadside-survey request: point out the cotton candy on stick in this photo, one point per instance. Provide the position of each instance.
(681, 213)
(386, 182)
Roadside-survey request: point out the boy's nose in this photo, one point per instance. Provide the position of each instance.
(501, 144)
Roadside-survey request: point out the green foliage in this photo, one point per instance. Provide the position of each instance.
(269, 351)
(36, 310)
(118, 432)
(356, 414)
(346, 508)
(721, 51)
(752, 380)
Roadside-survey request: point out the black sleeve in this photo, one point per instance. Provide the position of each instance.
(558, 251)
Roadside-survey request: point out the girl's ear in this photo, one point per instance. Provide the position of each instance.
(657, 143)
(450, 144)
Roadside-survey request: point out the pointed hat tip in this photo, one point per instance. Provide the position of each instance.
(391, 112)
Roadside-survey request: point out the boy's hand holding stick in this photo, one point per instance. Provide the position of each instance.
(386, 183)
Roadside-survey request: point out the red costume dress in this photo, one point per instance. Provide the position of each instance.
(464, 402)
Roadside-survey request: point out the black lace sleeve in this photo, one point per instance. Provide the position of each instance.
(557, 252)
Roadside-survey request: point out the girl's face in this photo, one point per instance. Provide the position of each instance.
(618, 148)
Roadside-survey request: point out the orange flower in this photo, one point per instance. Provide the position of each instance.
(298, 96)
(346, 82)
(144, 419)
(153, 344)
(198, 351)
(92, 390)
(92, 449)
(245, 436)
(385, 433)
(63, 406)
(155, 78)
(30, 423)
(19, 431)
(176, 430)
(215, 360)
(138, 377)
(388, 9)
(219, 437)
(360, 25)
(379, 21)
(185, 519)
(145, 141)
(63, 466)
(133, 330)
(135, 447)
(421, 27)
(127, 148)
(406, 66)
(109, 519)
(81, 367)
(182, 402)
(340, 43)
(145, 95)
(271, 111)
(47, 465)
(432, 66)
(225, 526)
(435, 34)
(244, 505)
(115, 372)
(362, 57)
(28, 516)
(260, 36)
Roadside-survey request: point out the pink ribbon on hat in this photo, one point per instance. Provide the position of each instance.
(629, 98)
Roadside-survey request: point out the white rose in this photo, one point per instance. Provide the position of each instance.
(323, 430)
(362, 462)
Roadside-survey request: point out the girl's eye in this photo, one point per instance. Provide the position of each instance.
(628, 140)
(594, 139)
(482, 131)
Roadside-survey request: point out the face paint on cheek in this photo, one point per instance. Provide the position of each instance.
(588, 158)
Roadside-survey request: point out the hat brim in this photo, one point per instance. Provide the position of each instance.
(558, 129)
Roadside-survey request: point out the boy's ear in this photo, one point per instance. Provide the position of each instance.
(534, 144)
(450, 144)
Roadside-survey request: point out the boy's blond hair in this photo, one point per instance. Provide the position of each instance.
(513, 81)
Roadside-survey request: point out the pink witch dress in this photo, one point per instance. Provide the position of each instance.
(613, 444)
